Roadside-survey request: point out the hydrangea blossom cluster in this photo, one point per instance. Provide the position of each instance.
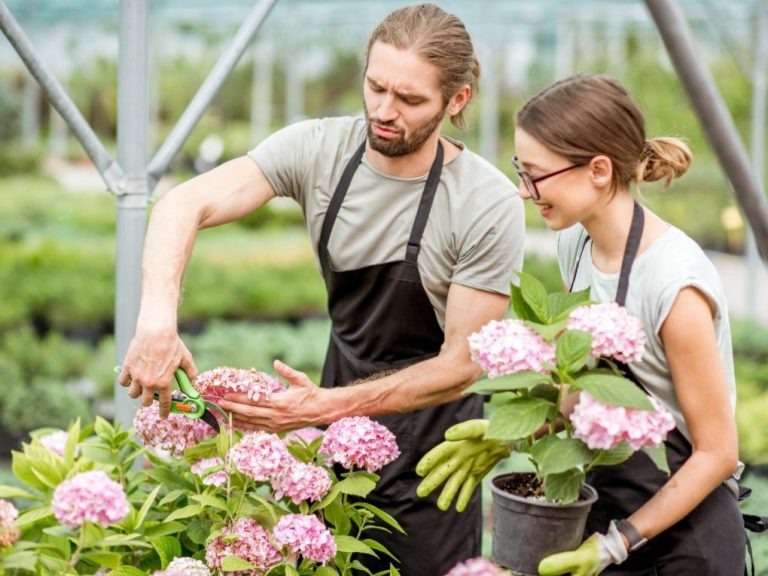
(265, 458)
(8, 534)
(359, 441)
(299, 481)
(615, 332)
(476, 567)
(215, 383)
(56, 442)
(200, 468)
(504, 347)
(602, 426)
(305, 535)
(248, 540)
(172, 435)
(184, 567)
(90, 497)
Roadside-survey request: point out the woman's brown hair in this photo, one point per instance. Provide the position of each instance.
(587, 115)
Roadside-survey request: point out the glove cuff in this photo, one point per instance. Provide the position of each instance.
(613, 544)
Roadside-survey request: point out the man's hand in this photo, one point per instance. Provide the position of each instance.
(297, 407)
(149, 364)
(463, 460)
(594, 555)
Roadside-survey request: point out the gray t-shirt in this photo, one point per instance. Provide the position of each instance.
(474, 235)
(672, 262)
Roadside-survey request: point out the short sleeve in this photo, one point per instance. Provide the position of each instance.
(493, 249)
(286, 156)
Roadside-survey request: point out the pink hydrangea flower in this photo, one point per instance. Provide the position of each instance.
(8, 514)
(476, 567)
(56, 442)
(184, 567)
(300, 481)
(504, 347)
(306, 435)
(359, 441)
(602, 426)
(170, 435)
(218, 478)
(215, 383)
(615, 332)
(260, 455)
(249, 541)
(305, 535)
(90, 497)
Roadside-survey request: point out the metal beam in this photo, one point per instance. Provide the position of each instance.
(713, 115)
(110, 170)
(207, 91)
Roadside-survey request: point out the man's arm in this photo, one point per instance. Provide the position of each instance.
(221, 195)
(435, 381)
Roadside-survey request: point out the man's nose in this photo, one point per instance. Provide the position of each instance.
(387, 111)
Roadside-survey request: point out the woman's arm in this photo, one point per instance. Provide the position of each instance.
(690, 343)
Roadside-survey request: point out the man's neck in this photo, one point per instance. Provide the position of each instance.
(411, 165)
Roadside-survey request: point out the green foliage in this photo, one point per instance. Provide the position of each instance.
(528, 412)
(173, 512)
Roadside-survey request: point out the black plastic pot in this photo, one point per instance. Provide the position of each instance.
(526, 530)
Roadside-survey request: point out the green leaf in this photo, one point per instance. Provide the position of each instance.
(33, 516)
(334, 513)
(163, 528)
(326, 571)
(22, 469)
(615, 390)
(172, 496)
(127, 571)
(106, 559)
(614, 456)
(104, 429)
(211, 501)
(520, 380)
(23, 560)
(223, 444)
(73, 437)
(356, 485)
(380, 514)
(199, 528)
(573, 348)
(535, 296)
(519, 307)
(379, 547)
(548, 331)
(235, 564)
(560, 304)
(563, 487)
(186, 512)
(146, 507)
(554, 454)
(167, 548)
(290, 570)
(518, 418)
(659, 456)
(351, 544)
(15, 492)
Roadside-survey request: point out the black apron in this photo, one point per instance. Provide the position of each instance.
(382, 321)
(710, 541)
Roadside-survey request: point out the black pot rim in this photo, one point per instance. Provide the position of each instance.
(585, 500)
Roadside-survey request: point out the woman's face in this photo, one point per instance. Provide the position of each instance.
(564, 198)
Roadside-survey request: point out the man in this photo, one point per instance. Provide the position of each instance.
(417, 239)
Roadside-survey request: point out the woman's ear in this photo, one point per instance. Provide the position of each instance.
(601, 171)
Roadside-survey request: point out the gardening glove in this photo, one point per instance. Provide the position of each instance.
(463, 460)
(594, 555)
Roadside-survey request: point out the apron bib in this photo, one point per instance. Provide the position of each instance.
(382, 320)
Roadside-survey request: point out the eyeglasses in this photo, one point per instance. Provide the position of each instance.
(530, 181)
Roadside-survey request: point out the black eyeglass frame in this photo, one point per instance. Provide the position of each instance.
(530, 181)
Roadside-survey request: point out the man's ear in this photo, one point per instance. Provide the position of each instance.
(459, 100)
(601, 171)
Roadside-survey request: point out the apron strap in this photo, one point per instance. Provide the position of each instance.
(425, 205)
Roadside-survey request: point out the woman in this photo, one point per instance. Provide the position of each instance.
(581, 151)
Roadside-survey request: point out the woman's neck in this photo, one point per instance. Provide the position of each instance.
(609, 228)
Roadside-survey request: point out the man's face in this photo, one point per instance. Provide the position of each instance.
(403, 102)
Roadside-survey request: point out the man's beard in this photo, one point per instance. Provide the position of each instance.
(401, 146)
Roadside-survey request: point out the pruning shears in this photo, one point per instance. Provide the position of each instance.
(188, 402)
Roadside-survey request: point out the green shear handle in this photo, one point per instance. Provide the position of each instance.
(189, 402)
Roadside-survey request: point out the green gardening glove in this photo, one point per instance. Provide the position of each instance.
(594, 555)
(461, 462)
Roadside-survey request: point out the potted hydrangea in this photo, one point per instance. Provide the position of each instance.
(557, 345)
(203, 504)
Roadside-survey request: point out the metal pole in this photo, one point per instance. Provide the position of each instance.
(713, 115)
(261, 89)
(759, 94)
(132, 118)
(60, 100)
(207, 91)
